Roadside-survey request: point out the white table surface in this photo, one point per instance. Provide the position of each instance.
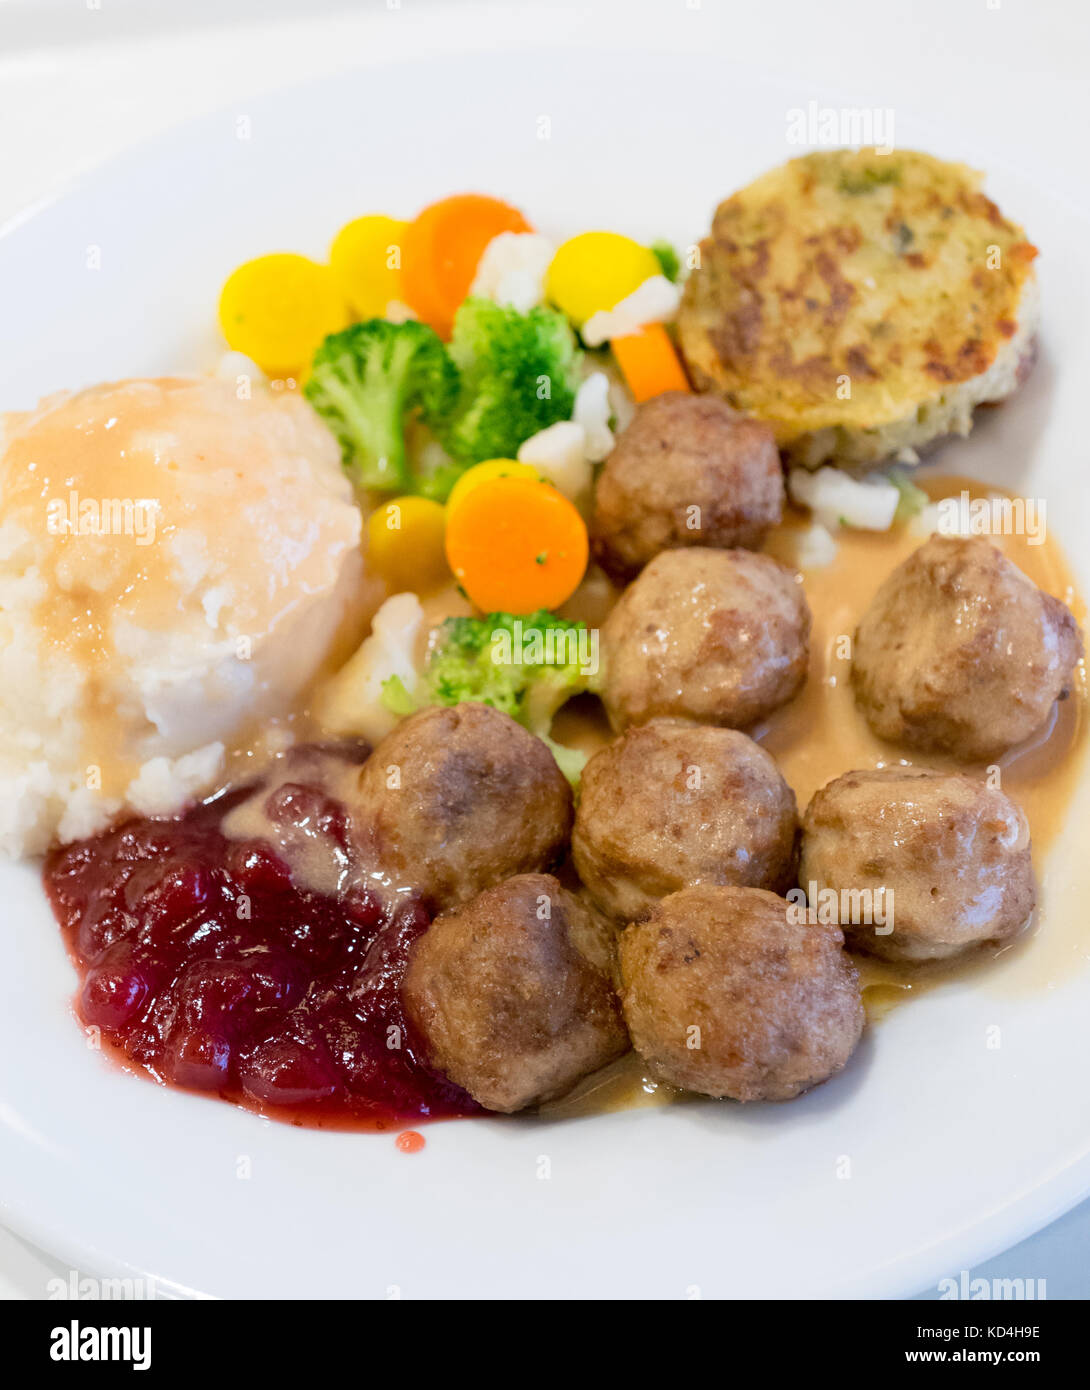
(81, 80)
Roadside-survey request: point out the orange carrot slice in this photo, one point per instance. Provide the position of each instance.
(516, 546)
(650, 362)
(442, 248)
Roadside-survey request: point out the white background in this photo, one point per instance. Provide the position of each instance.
(83, 79)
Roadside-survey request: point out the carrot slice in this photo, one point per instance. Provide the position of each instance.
(516, 545)
(650, 362)
(442, 248)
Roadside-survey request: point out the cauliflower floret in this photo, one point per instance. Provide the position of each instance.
(397, 311)
(814, 548)
(242, 370)
(512, 270)
(593, 411)
(926, 522)
(836, 499)
(350, 704)
(559, 453)
(655, 301)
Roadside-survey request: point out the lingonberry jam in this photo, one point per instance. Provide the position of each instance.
(205, 964)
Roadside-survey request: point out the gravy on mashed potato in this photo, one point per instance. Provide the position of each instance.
(175, 564)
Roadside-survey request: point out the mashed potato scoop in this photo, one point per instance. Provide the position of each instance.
(176, 562)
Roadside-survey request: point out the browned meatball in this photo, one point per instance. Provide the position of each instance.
(688, 470)
(718, 636)
(943, 860)
(513, 993)
(729, 992)
(454, 800)
(669, 805)
(960, 652)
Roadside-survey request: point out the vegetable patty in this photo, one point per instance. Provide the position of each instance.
(861, 304)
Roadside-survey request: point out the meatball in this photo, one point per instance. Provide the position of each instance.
(454, 800)
(669, 805)
(512, 993)
(729, 991)
(688, 470)
(717, 636)
(951, 854)
(960, 652)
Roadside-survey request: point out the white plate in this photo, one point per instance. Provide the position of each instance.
(931, 1152)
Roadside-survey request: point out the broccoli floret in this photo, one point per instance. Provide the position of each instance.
(519, 374)
(570, 761)
(438, 483)
(397, 699)
(668, 259)
(364, 381)
(912, 500)
(525, 666)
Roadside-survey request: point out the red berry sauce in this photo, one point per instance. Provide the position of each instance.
(206, 966)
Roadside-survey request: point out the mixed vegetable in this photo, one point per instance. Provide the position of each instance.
(519, 374)
(365, 380)
(527, 667)
(468, 369)
(464, 365)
